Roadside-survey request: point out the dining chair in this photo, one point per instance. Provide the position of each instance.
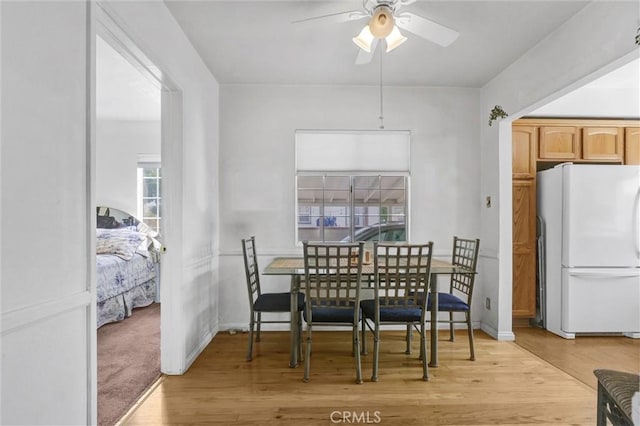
(332, 284)
(260, 302)
(401, 277)
(458, 298)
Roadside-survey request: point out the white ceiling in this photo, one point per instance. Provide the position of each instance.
(122, 92)
(255, 42)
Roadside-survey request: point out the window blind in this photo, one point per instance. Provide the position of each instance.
(374, 151)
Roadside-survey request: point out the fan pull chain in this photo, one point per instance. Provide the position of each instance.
(381, 99)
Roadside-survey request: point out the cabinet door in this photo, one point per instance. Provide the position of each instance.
(632, 145)
(559, 143)
(602, 143)
(524, 248)
(524, 140)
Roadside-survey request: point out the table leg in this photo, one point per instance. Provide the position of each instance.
(293, 356)
(434, 321)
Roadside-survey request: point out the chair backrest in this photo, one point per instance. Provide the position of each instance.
(251, 268)
(401, 273)
(465, 253)
(333, 273)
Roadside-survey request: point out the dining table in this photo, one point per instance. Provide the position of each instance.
(294, 267)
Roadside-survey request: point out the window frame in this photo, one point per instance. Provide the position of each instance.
(149, 164)
(352, 175)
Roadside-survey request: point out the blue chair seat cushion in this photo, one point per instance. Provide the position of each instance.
(391, 313)
(277, 302)
(446, 302)
(449, 302)
(332, 314)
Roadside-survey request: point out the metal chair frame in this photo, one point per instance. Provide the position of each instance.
(465, 253)
(252, 272)
(615, 396)
(401, 278)
(333, 274)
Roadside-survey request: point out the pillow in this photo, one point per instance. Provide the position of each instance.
(121, 242)
(108, 222)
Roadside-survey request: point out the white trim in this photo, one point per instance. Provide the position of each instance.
(172, 341)
(1, 286)
(152, 159)
(90, 147)
(505, 336)
(204, 342)
(34, 314)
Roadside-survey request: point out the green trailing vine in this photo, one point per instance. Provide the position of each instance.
(496, 112)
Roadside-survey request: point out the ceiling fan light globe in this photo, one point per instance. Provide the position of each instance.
(394, 39)
(364, 39)
(381, 23)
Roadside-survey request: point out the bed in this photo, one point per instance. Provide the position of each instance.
(127, 265)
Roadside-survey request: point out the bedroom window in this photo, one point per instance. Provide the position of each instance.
(150, 195)
(352, 186)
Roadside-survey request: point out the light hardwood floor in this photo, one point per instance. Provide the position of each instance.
(579, 357)
(507, 384)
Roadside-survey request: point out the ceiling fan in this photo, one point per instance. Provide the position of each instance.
(385, 21)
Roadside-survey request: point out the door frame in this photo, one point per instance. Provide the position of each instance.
(106, 24)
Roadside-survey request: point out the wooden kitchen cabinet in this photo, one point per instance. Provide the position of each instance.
(602, 143)
(524, 248)
(632, 145)
(559, 143)
(540, 143)
(524, 141)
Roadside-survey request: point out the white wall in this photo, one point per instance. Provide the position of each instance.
(614, 95)
(258, 176)
(118, 143)
(594, 102)
(568, 58)
(48, 357)
(46, 305)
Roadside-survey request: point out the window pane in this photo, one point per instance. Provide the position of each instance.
(147, 172)
(153, 224)
(150, 199)
(150, 207)
(150, 187)
(325, 208)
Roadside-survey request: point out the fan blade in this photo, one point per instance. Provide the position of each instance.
(401, 3)
(427, 29)
(365, 57)
(333, 18)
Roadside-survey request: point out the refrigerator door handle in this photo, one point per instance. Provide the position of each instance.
(599, 275)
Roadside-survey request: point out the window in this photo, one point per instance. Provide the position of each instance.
(352, 207)
(352, 185)
(150, 195)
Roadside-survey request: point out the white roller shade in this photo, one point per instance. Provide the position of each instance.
(377, 151)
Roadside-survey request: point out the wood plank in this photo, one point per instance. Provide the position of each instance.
(580, 356)
(506, 385)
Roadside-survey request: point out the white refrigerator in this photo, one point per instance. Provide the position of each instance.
(592, 248)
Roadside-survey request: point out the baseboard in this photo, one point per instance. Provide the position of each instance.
(505, 336)
(204, 342)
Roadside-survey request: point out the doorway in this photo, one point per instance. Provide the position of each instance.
(128, 179)
(148, 143)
